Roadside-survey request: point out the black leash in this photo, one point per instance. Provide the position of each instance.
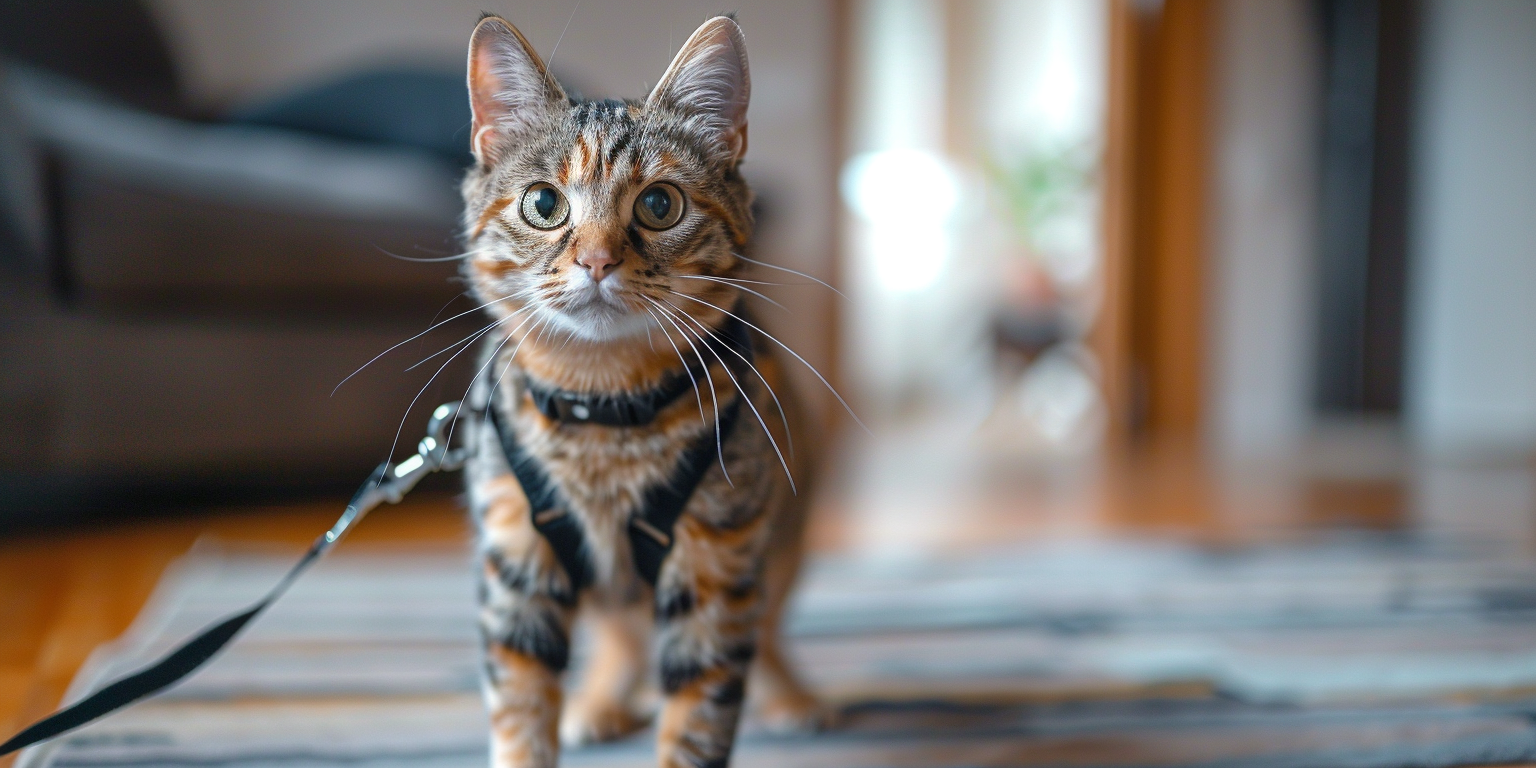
(650, 527)
(387, 483)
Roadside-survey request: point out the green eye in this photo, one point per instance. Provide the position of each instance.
(544, 207)
(659, 206)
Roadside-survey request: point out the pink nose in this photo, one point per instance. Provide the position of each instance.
(599, 262)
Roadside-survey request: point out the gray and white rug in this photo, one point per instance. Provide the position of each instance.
(1351, 653)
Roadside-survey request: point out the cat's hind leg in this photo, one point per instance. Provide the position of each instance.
(608, 703)
(777, 699)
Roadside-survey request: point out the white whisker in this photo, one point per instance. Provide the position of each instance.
(686, 368)
(417, 336)
(426, 260)
(741, 394)
(714, 400)
(467, 339)
(561, 38)
(783, 416)
(490, 397)
(490, 401)
(439, 313)
(742, 280)
(803, 361)
(398, 430)
(737, 287)
(791, 271)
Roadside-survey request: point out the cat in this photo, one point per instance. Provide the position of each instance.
(622, 385)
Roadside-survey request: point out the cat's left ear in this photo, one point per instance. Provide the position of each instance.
(510, 90)
(709, 77)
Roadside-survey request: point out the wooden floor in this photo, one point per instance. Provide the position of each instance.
(63, 593)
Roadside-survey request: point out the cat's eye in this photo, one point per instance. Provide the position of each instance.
(544, 207)
(659, 206)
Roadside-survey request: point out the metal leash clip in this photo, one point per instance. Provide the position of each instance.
(387, 483)
(392, 483)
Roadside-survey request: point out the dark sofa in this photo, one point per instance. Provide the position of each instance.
(180, 293)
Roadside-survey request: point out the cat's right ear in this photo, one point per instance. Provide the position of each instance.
(510, 90)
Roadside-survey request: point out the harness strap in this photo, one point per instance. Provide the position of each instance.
(550, 517)
(651, 526)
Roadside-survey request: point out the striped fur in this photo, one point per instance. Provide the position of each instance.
(714, 613)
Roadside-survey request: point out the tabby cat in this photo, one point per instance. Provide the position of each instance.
(639, 458)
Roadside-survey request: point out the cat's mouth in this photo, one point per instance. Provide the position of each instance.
(599, 311)
(581, 293)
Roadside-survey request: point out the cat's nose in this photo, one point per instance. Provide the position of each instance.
(598, 262)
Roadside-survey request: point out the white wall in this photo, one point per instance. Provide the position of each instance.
(1472, 334)
(900, 340)
(239, 49)
(1264, 197)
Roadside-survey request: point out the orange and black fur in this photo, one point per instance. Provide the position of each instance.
(605, 240)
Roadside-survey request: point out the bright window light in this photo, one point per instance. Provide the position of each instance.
(908, 198)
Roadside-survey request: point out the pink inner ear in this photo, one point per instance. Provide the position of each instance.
(710, 74)
(508, 86)
(484, 97)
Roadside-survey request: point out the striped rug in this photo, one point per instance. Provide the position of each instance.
(1349, 653)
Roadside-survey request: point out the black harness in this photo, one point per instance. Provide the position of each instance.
(650, 525)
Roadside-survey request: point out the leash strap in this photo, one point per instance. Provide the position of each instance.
(387, 483)
(650, 532)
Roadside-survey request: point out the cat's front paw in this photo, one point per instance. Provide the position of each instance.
(594, 722)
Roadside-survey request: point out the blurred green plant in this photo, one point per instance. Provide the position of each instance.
(1039, 186)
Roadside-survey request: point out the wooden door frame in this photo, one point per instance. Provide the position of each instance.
(1150, 336)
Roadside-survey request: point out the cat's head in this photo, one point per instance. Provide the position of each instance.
(588, 217)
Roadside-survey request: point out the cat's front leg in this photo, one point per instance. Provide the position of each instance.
(707, 608)
(526, 606)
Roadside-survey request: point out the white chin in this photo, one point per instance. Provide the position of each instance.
(601, 321)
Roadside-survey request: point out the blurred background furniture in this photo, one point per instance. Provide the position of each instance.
(181, 292)
(1215, 345)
